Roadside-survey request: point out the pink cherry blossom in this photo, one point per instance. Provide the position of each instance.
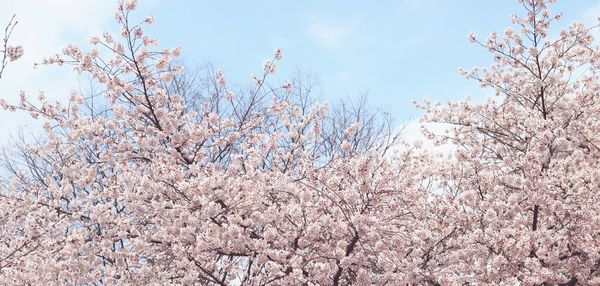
(14, 52)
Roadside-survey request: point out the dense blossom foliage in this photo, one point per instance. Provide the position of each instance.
(148, 191)
(148, 186)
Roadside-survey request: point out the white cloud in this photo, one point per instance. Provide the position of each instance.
(411, 130)
(412, 133)
(329, 35)
(45, 27)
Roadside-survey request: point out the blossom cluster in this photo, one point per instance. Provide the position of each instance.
(14, 53)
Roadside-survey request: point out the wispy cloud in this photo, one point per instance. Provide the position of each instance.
(416, 4)
(329, 35)
(591, 15)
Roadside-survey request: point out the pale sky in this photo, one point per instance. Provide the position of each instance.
(396, 50)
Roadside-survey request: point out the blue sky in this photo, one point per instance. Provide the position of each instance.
(395, 51)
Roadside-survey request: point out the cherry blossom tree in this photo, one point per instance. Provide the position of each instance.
(525, 174)
(154, 189)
